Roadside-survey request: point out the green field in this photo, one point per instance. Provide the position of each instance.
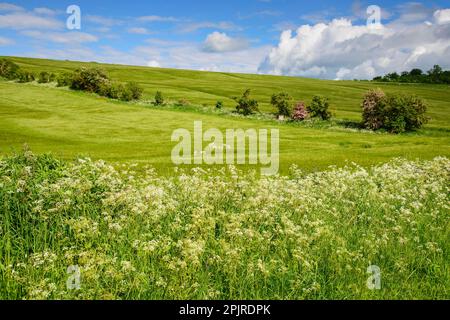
(68, 123)
(133, 233)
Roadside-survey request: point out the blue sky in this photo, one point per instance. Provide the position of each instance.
(328, 39)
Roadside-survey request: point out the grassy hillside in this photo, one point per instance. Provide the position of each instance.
(73, 123)
(208, 87)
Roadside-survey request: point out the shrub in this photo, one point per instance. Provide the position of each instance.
(159, 99)
(246, 106)
(25, 76)
(44, 77)
(133, 90)
(300, 113)
(64, 80)
(219, 105)
(113, 90)
(403, 113)
(283, 103)
(89, 79)
(394, 113)
(8, 69)
(372, 115)
(319, 108)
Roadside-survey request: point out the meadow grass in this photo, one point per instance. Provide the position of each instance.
(70, 123)
(222, 234)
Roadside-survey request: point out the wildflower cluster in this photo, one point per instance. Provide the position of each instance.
(222, 234)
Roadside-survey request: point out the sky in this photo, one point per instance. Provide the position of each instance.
(320, 39)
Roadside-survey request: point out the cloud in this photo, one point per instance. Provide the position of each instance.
(220, 42)
(5, 41)
(442, 16)
(24, 20)
(157, 19)
(4, 6)
(341, 50)
(153, 64)
(195, 26)
(45, 11)
(61, 37)
(103, 21)
(138, 30)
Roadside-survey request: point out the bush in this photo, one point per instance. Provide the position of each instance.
(133, 91)
(113, 90)
(25, 76)
(219, 105)
(64, 80)
(8, 69)
(319, 108)
(300, 113)
(283, 102)
(89, 79)
(372, 113)
(159, 99)
(44, 77)
(394, 113)
(403, 113)
(246, 106)
(125, 94)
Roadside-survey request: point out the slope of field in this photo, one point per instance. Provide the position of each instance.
(208, 87)
(70, 123)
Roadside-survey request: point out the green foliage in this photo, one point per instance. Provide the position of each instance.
(44, 77)
(134, 91)
(435, 75)
(25, 76)
(395, 113)
(283, 103)
(159, 99)
(64, 79)
(89, 79)
(219, 105)
(319, 108)
(246, 105)
(403, 113)
(8, 69)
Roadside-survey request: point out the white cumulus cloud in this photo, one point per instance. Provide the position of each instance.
(341, 50)
(221, 42)
(442, 16)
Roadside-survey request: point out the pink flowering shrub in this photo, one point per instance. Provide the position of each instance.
(300, 113)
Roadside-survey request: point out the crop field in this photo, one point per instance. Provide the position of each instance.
(89, 181)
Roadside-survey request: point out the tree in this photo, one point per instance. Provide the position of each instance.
(283, 103)
(319, 108)
(246, 106)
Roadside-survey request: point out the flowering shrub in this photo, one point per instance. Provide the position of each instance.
(394, 113)
(222, 234)
(300, 113)
(372, 115)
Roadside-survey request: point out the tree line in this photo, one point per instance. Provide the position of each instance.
(436, 75)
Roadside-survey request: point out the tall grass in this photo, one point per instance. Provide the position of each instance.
(222, 234)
